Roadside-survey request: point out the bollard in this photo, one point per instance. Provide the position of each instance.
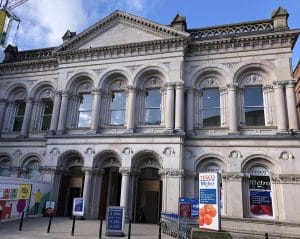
(129, 229)
(73, 226)
(267, 235)
(100, 231)
(159, 230)
(21, 222)
(49, 224)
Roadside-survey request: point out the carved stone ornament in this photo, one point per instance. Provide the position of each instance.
(85, 87)
(117, 85)
(233, 176)
(111, 162)
(48, 169)
(55, 151)
(46, 94)
(87, 170)
(127, 150)
(172, 172)
(235, 154)
(168, 151)
(124, 171)
(18, 153)
(21, 95)
(285, 155)
(189, 154)
(152, 82)
(89, 151)
(98, 71)
(286, 178)
(209, 83)
(252, 79)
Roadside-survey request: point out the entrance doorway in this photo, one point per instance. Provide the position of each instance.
(148, 196)
(110, 190)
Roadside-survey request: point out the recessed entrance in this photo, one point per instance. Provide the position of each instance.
(148, 196)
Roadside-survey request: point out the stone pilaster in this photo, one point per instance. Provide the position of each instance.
(27, 117)
(63, 112)
(233, 127)
(56, 109)
(131, 108)
(291, 105)
(280, 107)
(86, 190)
(170, 108)
(190, 112)
(179, 111)
(97, 94)
(124, 188)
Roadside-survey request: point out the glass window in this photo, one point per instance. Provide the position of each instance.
(85, 110)
(260, 193)
(5, 168)
(211, 108)
(33, 170)
(118, 108)
(47, 114)
(254, 106)
(19, 115)
(152, 107)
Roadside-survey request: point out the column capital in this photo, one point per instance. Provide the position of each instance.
(125, 171)
(232, 86)
(3, 101)
(29, 100)
(169, 86)
(235, 176)
(179, 85)
(267, 87)
(97, 91)
(279, 84)
(189, 90)
(291, 84)
(87, 170)
(65, 93)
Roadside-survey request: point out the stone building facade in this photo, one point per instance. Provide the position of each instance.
(129, 111)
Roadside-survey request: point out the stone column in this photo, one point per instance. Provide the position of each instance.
(56, 185)
(291, 105)
(96, 110)
(3, 104)
(63, 112)
(86, 190)
(27, 118)
(131, 108)
(280, 107)
(179, 111)
(190, 111)
(233, 128)
(124, 188)
(55, 114)
(97, 186)
(170, 108)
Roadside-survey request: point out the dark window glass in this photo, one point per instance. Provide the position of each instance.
(47, 114)
(211, 108)
(118, 108)
(19, 115)
(254, 106)
(152, 107)
(85, 110)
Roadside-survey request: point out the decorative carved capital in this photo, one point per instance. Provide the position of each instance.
(124, 171)
(87, 170)
(286, 178)
(233, 176)
(291, 84)
(278, 84)
(168, 151)
(97, 91)
(232, 87)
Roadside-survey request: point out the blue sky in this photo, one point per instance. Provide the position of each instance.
(45, 21)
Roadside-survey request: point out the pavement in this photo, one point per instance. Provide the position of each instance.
(36, 228)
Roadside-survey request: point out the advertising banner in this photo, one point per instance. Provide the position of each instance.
(50, 206)
(78, 207)
(209, 201)
(115, 225)
(193, 204)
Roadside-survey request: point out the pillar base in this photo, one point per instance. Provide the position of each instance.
(234, 133)
(129, 131)
(169, 131)
(93, 131)
(22, 136)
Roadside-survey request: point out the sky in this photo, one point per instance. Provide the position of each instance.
(44, 22)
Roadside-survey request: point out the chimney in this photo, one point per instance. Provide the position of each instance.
(179, 23)
(280, 19)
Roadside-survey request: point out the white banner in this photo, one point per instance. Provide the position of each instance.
(209, 201)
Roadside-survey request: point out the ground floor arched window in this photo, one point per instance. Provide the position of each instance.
(260, 203)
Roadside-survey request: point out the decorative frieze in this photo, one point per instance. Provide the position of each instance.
(171, 172)
(233, 176)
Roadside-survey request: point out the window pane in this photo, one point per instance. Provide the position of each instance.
(48, 107)
(254, 106)
(253, 96)
(118, 101)
(211, 117)
(4, 172)
(21, 108)
(46, 122)
(86, 101)
(18, 124)
(153, 99)
(152, 116)
(117, 117)
(211, 98)
(85, 119)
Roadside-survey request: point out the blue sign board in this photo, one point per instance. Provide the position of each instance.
(78, 207)
(194, 204)
(115, 221)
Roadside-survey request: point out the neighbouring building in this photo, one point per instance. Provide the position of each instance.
(129, 111)
(297, 88)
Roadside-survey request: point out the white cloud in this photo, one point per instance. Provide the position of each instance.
(43, 22)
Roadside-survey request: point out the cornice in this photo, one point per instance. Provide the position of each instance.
(240, 43)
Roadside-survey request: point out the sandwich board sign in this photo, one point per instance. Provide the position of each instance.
(209, 201)
(50, 206)
(115, 221)
(78, 207)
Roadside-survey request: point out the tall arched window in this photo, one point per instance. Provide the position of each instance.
(260, 193)
(117, 108)
(5, 165)
(85, 110)
(33, 169)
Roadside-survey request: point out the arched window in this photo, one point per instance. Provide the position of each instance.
(5, 165)
(80, 104)
(117, 108)
(260, 193)
(15, 111)
(33, 169)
